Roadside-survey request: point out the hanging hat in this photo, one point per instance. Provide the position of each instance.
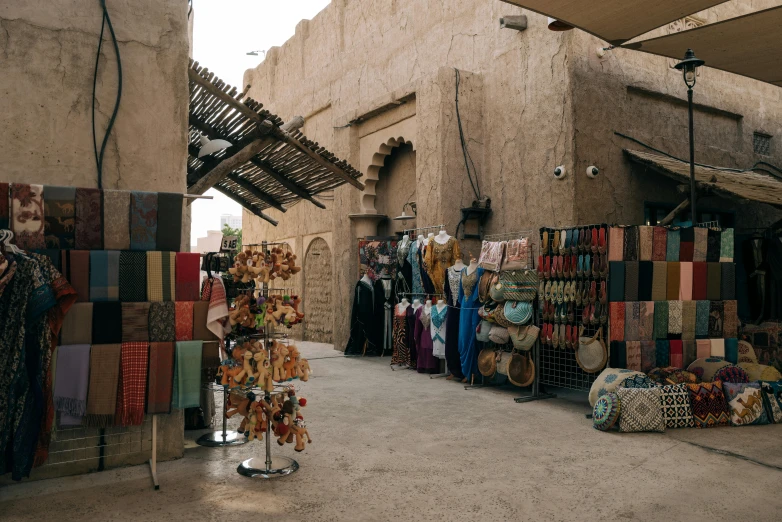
(521, 370)
(487, 362)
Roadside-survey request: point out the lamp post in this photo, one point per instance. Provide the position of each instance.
(688, 67)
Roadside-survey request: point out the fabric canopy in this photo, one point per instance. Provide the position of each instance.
(617, 21)
(749, 45)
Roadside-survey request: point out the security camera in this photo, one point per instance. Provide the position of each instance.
(560, 172)
(592, 171)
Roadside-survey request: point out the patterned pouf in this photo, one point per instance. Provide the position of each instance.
(731, 374)
(760, 372)
(641, 409)
(708, 405)
(672, 375)
(706, 367)
(637, 381)
(772, 396)
(606, 412)
(677, 411)
(745, 402)
(607, 382)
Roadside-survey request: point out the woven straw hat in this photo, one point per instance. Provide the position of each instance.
(521, 370)
(487, 362)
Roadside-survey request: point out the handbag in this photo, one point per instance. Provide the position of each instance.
(523, 337)
(516, 255)
(491, 255)
(482, 331)
(591, 353)
(483, 286)
(487, 362)
(498, 317)
(517, 312)
(499, 335)
(519, 285)
(497, 291)
(503, 362)
(521, 369)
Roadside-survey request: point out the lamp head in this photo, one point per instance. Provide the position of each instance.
(209, 147)
(688, 67)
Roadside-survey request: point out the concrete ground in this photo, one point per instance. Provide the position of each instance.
(399, 445)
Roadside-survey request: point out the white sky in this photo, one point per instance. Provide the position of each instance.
(224, 31)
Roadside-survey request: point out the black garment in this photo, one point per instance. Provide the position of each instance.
(645, 272)
(452, 359)
(425, 279)
(410, 333)
(366, 320)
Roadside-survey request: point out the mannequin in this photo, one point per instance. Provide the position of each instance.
(442, 237)
(367, 319)
(416, 304)
(400, 353)
(458, 265)
(438, 330)
(403, 304)
(426, 362)
(440, 305)
(367, 280)
(428, 305)
(473, 265)
(420, 240)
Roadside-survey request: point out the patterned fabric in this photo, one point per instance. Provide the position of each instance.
(617, 321)
(659, 281)
(132, 276)
(687, 244)
(702, 309)
(646, 322)
(690, 353)
(676, 353)
(377, 256)
(727, 281)
(217, 317)
(701, 244)
(676, 408)
(184, 320)
(674, 317)
(132, 384)
(631, 244)
(772, 396)
(4, 206)
(645, 243)
(672, 248)
(160, 380)
(661, 320)
(454, 276)
(27, 216)
(161, 276)
(761, 372)
(648, 355)
(606, 412)
(699, 281)
(660, 244)
(636, 380)
(726, 246)
(673, 280)
(672, 375)
(438, 331)
(708, 405)
(745, 404)
(706, 368)
(60, 217)
(685, 281)
(747, 353)
(730, 319)
(400, 353)
(168, 236)
(632, 274)
(616, 238)
(116, 219)
(641, 410)
(104, 379)
(608, 381)
(143, 220)
(438, 258)
(713, 246)
(162, 322)
(89, 219)
(188, 274)
(412, 258)
(634, 355)
(689, 316)
(731, 375)
(104, 275)
(662, 354)
(716, 314)
(632, 320)
(135, 322)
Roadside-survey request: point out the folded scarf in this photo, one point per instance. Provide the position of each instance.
(616, 281)
(687, 244)
(703, 347)
(730, 319)
(713, 281)
(726, 246)
(188, 275)
(76, 269)
(104, 275)
(661, 319)
(216, 319)
(676, 354)
(645, 280)
(727, 281)
(645, 243)
(713, 245)
(618, 355)
(673, 245)
(659, 243)
(699, 281)
(702, 309)
(5, 206)
(673, 280)
(634, 355)
(59, 217)
(632, 320)
(161, 276)
(689, 312)
(685, 281)
(630, 244)
(648, 356)
(187, 374)
(162, 322)
(73, 370)
(77, 325)
(107, 322)
(132, 277)
(132, 384)
(135, 322)
(717, 347)
(616, 238)
(689, 350)
(646, 323)
(616, 312)
(184, 320)
(104, 380)
(674, 317)
(169, 221)
(716, 314)
(200, 331)
(732, 350)
(116, 219)
(701, 244)
(89, 219)
(27, 216)
(662, 353)
(160, 380)
(631, 280)
(659, 281)
(143, 220)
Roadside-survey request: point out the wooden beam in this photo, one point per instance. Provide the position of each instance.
(246, 204)
(667, 220)
(320, 160)
(228, 164)
(255, 191)
(225, 97)
(288, 184)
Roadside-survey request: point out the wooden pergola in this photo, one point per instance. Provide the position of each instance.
(266, 166)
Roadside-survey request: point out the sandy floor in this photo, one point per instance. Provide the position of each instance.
(401, 446)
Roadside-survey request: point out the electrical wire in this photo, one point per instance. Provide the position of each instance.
(465, 151)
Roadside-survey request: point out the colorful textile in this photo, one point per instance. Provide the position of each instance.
(699, 281)
(27, 216)
(685, 281)
(73, 369)
(761, 372)
(645, 243)
(162, 322)
(132, 384)
(616, 237)
(731, 374)
(632, 321)
(702, 309)
(5, 213)
(616, 281)
(713, 281)
(713, 246)
(676, 408)
(676, 353)
(132, 277)
(687, 244)
(631, 280)
(689, 352)
(135, 322)
(143, 220)
(187, 374)
(672, 375)
(648, 355)
(730, 319)
(674, 317)
(200, 331)
(169, 222)
(412, 259)
(608, 381)
(376, 256)
(160, 378)
(732, 350)
(705, 369)
(104, 275)
(659, 281)
(646, 321)
(660, 244)
(717, 348)
(161, 276)
(689, 317)
(184, 320)
(726, 246)
(217, 317)
(616, 312)
(188, 275)
(606, 412)
(107, 322)
(76, 269)
(673, 244)
(673, 280)
(662, 354)
(745, 404)
(645, 280)
(116, 219)
(716, 318)
(708, 405)
(727, 281)
(772, 396)
(661, 319)
(60, 217)
(104, 380)
(634, 355)
(77, 325)
(701, 244)
(641, 410)
(703, 349)
(747, 353)
(631, 244)
(89, 219)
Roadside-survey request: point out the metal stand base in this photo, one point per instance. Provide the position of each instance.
(540, 396)
(256, 467)
(218, 439)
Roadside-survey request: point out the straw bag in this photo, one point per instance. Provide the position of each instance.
(482, 331)
(487, 362)
(503, 362)
(497, 292)
(487, 279)
(519, 285)
(521, 369)
(516, 255)
(517, 312)
(491, 255)
(523, 337)
(499, 335)
(591, 353)
(497, 316)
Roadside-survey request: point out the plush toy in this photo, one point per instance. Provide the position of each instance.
(264, 376)
(290, 365)
(279, 353)
(284, 314)
(284, 425)
(250, 375)
(240, 270)
(296, 303)
(304, 369)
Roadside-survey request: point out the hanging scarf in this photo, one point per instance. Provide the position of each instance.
(659, 281)
(631, 244)
(73, 369)
(674, 317)
(104, 379)
(645, 243)
(77, 325)
(631, 280)
(187, 374)
(617, 321)
(160, 380)
(701, 244)
(104, 275)
(135, 322)
(673, 280)
(659, 243)
(162, 322)
(689, 313)
(648, 356)
(673, 244)
(687, 244)
(132, 277)
(726, 245)
(646, 321)
(5, 213)
(732, 350)
(107, 322)
(616, 239)
(188, 273)
(76, 268)
(184, 320)
(662, 354)
(689, 351)
(634, 355)
(618, 355)
(727, 281)
(703, 347)
(169, 222)
(685, 281)
(645, 280)
(132, 384)
(216, 319)
(717, 347)
(60, 217)
(699, 281)
(200, 330)
(713, 245)
(161, 277)
(713, 281)
(27, 216)
(702, 318)
(143, 220)
(730, 320)
(716, 315)
(632, 320)
(116, 219)
(616, 281)
(89, 219)
(677, 354)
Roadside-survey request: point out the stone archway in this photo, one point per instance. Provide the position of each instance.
(319, 320)
(368, 199)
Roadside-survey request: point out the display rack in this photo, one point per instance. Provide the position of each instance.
(408, 231)
(224, 437)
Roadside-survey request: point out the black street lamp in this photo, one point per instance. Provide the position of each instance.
(688, 67)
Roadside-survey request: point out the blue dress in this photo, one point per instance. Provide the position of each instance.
(468, 321)
(412, 258)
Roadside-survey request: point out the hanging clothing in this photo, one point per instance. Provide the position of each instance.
(439, 331)
(468, 322)
(404, 272)
(427, 362)
(425, 279)
(440, 256)
(412, 345)
(414, 260)
(452, 283)
(401, 350)
(366, 321)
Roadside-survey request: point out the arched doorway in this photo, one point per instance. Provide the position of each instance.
(317, 300)
(396, 185)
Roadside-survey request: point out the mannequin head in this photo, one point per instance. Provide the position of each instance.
(416, 302)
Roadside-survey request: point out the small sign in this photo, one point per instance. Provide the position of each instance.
(229, 243)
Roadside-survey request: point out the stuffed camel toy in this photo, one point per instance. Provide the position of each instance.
(279, 353)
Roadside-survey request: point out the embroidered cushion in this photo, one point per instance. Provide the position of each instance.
(745, 402)
(772, 397)
(760, 372)
(677, 411)
(672, 375)
(606, 412)
(747, 353)
(607, 382)
(637, 381)
(731, 374)
(641, 410)
(706, 367)
(708, 405)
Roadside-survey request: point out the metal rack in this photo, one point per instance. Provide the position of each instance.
(422, 229)
(224, 437)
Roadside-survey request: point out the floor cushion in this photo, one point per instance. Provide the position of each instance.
(677, 411)
(772, 397)
(607, 382)
(745, 402)
(747, 353)
(731, 374)
(637, 381)
(706, 367)
(641, 410)
(760, 372)
(709, 408)
(672, 375)
(606, 412)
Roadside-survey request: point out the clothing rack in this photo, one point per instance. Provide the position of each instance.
(419, 229)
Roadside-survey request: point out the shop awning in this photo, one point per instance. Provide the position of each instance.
(266, 166)
(748, 185)
(617, 21)
(749, 45)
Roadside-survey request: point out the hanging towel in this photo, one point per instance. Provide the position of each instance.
(184, 320)
(717, 347)
(726, 246)
(730, 319)
(645, 243)
(116, 219)
(673, 245)
(662, 353)
(616, 281)
(104, 275)
(104, 380)
(631, 244)
(713, 245)
(699, 281)
(632, 321)
(161, 276)
(135, 322)
(659, 281)
(143, 220)
(5, 198)
(687, 244)
(73, 371)
(688, 320)
(89, 219)
(685, 281)
(187, 374)
(216, 319)
(646, 323)
(703, 347)
(732, 350)
(634, 355)
(616, 312)
(618, 355)
(169, 222)
(648, 356)
(107, 322)
(162, 322)
(616, 238)
(188, 275)
(727, 281)
(77, 325)
(645, 280)
(689, 353)
(661, 319)
(132, 277)
(716, 315)
(701, 245)
(631, 280)
(76, 269)
(27, 216)
(702, 309)
(659, 243)
(674, 280)
(200, 331)
(132, 384)
(60, 217)
(161, 378)
(713, 281)
(677, 354)
(674, 317)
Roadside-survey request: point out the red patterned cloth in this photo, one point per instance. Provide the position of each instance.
(132, 386)
(188, 271)
(161, 377)
(184, 320)
(89, 219)
(660, 244)
(676, 357)
(616, 313)
(709, 408)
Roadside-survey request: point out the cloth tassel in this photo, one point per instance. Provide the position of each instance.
(99, 421)
(70, 406)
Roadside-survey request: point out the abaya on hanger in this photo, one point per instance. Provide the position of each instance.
(452, 283)
(366, 320)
